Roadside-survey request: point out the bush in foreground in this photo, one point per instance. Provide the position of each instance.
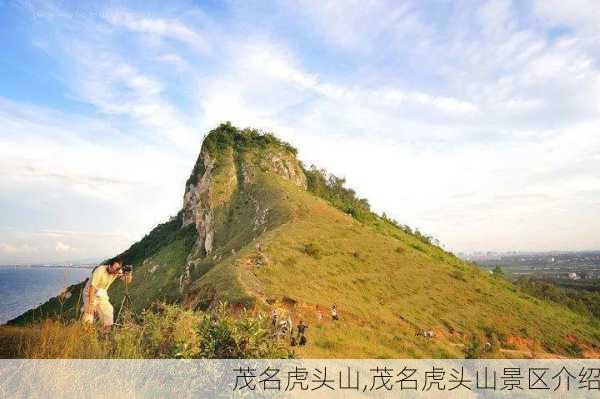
(165, 331)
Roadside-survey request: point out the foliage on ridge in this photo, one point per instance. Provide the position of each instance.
(228, 136)
(332, 189)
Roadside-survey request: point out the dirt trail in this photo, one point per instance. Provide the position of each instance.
(309, 313)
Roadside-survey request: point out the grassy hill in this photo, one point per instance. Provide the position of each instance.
(261, 232)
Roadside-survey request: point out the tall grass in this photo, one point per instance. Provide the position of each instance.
(165, 331)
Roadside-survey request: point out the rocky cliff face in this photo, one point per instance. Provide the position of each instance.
(196, 207)
(230, 161)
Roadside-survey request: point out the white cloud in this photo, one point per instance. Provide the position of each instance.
(101, 178)
(167, 28)
(479, 128)
(62, 247)
(117, 88)
(356, 25)
(452, 176)
(581, 15)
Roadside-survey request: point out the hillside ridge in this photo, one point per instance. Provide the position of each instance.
(261, 231)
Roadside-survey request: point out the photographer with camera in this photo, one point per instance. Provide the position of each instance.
(95, 293)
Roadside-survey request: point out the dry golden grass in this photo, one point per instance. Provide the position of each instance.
(388, 285)
(165, 332)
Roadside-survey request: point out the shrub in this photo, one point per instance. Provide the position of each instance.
(224, 337)
(480, 347)
(169, 332)
(458, 275)
(579, 300)
(165, 331)
(332, 189)
(312, 250)
(226, 135)
(574, 350)
(475, 348)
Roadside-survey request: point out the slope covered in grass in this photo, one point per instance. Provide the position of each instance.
(261, 232)
(388, 285)
(167, 244)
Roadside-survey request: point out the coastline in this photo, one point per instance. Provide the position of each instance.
(23, 288)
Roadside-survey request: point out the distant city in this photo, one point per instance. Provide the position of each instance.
(565, 268)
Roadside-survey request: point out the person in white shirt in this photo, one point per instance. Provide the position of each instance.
(95, 294)
(334, 314)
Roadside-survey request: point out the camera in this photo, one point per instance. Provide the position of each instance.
(126, 269)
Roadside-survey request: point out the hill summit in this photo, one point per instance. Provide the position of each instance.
(260, 231)
(229, 165)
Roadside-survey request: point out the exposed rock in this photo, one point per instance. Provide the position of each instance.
(202, 198)
(186, 277)
(219, 174)
(153, 267)
(261, 216)
(286, 166)
(196, 206)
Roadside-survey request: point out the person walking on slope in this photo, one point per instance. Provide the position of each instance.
(301, 329)
(334, 313)
(274, 318)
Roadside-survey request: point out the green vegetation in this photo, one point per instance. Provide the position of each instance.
(581, 301)
(227, 136)
(164, 331)
(312, 250)
(217, 277)
(167, 243)
(408, 230)
(278, 246)
(157, 277)
(331, 188)
(160, 236)
(391, 290)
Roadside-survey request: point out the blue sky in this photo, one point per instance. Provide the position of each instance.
(476, 122)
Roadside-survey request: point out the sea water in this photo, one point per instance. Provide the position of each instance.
(23, 288)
